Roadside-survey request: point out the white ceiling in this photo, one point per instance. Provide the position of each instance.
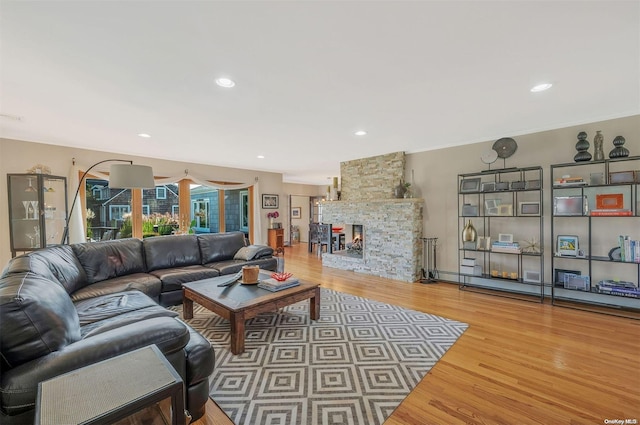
(417, 75)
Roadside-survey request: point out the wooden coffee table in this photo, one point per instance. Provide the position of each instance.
(239, 302)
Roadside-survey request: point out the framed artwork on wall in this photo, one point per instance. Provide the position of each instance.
(295, 212)
(269, 201)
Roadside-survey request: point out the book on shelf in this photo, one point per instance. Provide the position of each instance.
(629, 249)
(569, 181)
(610, 213)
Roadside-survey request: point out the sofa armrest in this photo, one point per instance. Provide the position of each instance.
(19, 385)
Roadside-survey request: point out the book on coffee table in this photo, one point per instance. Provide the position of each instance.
(273, 285)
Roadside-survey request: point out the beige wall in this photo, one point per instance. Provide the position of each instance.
(18, 156)
(435, 177)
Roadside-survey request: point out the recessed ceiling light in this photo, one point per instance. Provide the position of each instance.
(225, 82)
(360, 133)
(541, 87)
(145, 135)
(260, 156)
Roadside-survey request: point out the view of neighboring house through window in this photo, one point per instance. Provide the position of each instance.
(236, 210)
(160, 210)
(205, 214)
(110, 209)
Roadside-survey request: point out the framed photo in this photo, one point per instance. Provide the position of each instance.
(470, 185)
(295, 212)
(529, 208)
(506, 210)
(569, 205)
(531, 276)
(269, 201)
(568, 245)
(484, 243)
(491, 206)
(558, 276)
(505, 237)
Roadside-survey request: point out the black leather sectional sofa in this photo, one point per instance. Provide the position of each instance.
(68, 306)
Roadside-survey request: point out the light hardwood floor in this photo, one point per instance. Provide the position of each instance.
(518, 362)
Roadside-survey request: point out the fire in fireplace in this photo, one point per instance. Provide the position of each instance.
(353, 235)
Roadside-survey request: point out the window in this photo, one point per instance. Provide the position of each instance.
(200, 213)
(117, 212)
(161, 192)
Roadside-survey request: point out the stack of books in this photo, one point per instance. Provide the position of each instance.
(619, 288)
(274, 285)
(508, 247)
(611, 212)
(569, 181)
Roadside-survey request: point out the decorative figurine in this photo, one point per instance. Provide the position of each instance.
(582, 147)
(619, 151)
(598, 153)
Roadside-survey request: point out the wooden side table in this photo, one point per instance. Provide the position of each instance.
(276, 240)
(111, 390)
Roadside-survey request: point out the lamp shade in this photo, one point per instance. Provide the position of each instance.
(130, 176)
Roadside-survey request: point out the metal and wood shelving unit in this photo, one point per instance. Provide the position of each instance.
(507, 204)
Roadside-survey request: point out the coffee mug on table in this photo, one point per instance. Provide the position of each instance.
(250, 274)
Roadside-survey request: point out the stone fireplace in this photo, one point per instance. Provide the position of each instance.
(392, 237)
(392, 228)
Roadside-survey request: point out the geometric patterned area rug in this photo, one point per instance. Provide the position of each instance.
(353, 366)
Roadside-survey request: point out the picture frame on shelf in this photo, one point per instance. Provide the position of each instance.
(569, 205)
(621, 177)
(531, 276)
(296, 212)
(491, 206)
(270, 201)
(558, 276)
(505, 238)
(482, 243)
(470, 185)
(577, 282)
(568, 245)
(505, 210)
(529, 208)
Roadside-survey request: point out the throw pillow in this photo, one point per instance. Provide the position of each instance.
(252, 252)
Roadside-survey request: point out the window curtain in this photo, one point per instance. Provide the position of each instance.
(76, 225)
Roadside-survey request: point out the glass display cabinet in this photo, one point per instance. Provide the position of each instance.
(37, 210)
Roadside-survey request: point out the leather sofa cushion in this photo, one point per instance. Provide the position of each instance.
(57, 263)
(172, 279)
(37, 318)
(220, 246)
(234, 266)
(165, 252)
(106, 312)
(143, 282)
(108, 259)
(19, 385)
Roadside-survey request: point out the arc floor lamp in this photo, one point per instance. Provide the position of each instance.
(121, 176)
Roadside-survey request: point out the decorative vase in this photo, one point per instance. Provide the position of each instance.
(582, 147)
(619, 151)
(469, 233)
(598, 140)
(399, 190)
(270, 223)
